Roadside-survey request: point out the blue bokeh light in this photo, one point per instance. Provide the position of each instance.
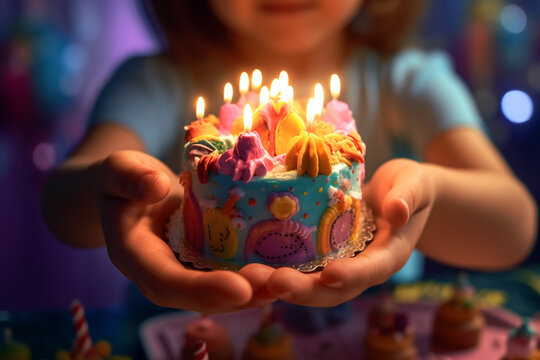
(517, 106)
(513, 19)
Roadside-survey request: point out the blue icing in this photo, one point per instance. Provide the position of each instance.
(259, 189)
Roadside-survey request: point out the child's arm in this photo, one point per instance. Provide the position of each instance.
(483, 217)
(110, 192)
(465, 208)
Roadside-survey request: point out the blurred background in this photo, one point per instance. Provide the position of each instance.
(56, 54)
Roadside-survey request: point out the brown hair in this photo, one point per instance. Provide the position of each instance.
(194, 36)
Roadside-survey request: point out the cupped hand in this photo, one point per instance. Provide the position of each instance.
(136, 195)
(400, 195)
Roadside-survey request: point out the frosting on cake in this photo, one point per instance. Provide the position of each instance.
(282, 189)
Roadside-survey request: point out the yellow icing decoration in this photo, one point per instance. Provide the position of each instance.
(290, 126)
(325, 225)
(206, 137)
(308, 154)
(278, 105)
(221, 236)
(283, 207)
(357, 224)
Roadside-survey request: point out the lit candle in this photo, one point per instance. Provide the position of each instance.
(248, 118)
(244, 84)
(274, 88)
(256, 80)
(199, 108)
(227, 93)
(335, 86)
(337, 112)
(201, 126)
(288, 95)
(264, 96)
(228, 112)
(246, 96)
(283, 81)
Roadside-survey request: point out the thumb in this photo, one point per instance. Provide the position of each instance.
(130, 175)
(399, 190)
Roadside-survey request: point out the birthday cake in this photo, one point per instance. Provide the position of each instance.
(277, 185)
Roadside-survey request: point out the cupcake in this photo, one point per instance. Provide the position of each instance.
(522, 343)
(459, 321)
(270, 342)
(213, 334)
(389, 333)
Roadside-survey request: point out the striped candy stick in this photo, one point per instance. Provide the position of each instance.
(83, 342)
(200, 352)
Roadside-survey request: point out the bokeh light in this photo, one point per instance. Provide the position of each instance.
(517, 106)
(44, 156)
(513, 19)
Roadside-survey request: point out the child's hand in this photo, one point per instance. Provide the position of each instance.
(136, 195)
(401, 197)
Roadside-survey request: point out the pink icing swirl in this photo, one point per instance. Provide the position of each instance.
(246, 159)
(338, 114)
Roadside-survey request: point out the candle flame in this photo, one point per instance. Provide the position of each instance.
(310, 112)
(228, 93)
(256, 79)
(248, 118)
(288, 94)
(335, 86)
(274, 88)
(244, 83)
(200, 108)
(264, 95)
(283, 81)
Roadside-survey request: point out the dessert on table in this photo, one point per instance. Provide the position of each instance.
(458, 322)
(389, 334)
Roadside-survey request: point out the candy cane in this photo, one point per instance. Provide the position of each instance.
(200, 352)
(83, 342)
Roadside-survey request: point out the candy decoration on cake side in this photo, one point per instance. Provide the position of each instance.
(281, 188)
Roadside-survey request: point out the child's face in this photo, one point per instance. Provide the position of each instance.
(286, 27)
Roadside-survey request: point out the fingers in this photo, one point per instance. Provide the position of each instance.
(151, 265)
(257, 275)
(306, 289)
(399, 189)
(344, 279)
(133, 176)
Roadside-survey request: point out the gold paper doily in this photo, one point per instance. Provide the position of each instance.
(188, 255)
